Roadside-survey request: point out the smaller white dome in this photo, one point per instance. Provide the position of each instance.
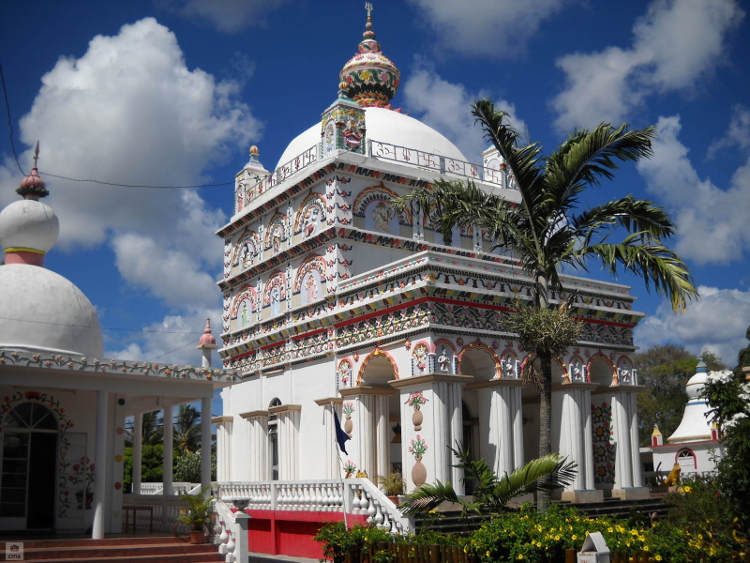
(42, 310)
(27, 223)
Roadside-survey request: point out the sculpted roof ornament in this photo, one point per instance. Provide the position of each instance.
(370, 78)
(32, 186)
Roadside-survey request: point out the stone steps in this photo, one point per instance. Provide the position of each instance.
(118, 550)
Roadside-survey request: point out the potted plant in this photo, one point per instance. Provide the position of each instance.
(196, 514)
(393, 485)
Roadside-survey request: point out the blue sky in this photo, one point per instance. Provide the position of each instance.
(174, 92)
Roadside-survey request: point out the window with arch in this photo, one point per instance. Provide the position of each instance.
(273, 440)
(686, 459)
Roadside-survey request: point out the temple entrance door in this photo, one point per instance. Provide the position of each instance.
(27, 488)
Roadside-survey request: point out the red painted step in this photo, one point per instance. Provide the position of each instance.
(120, 550)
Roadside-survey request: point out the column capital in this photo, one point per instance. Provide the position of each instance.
(328, 400)
(284, 409)
(575, 385)
(497, 382)
(254, 414)
(626, 388)
(366, 390)
(221, 419)
(422, 380)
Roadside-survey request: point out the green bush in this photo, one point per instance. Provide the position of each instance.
(338, 541)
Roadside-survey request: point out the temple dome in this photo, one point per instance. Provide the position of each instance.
(369, 77)
(387, 126)
(42, 310)
(29, 224)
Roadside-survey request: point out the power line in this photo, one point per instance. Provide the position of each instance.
(68, 325)
(91, 180)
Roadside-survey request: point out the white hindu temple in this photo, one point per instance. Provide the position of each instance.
(62, 405)
(332, 301)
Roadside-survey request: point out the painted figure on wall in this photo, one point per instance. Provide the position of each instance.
(312, 220)
(275, 301)
(444, 361)
(380, 217)
(312, 287)
(344, 372)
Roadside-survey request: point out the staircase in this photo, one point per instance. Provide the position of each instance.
(118, 550)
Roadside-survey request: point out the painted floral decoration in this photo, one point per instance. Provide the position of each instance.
(416, 399)
(347, 409)
(349, 468)
(418, 447)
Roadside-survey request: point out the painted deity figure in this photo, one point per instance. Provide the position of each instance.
(576, 372)
(420, 355)
(275, 301)
(311, 287)
(276, 243)
(624, 375)
(244, 318)
(345, 373)
(380, 217)
(444, 360)
(352, 136)
(508, 367)
(312, 220)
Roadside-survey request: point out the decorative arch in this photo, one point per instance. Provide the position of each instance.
(374, 354)
(570, 375)
(685, 453)
(509, 364)
(483, 348)
(613, 368)
(313, 263)
(444, 342)
(276, 282)
(375, 193)
(247, 297)
(624, 362)
(275, 233)
(246, 249)
(311, 215)
(64, 470)
(531, 356)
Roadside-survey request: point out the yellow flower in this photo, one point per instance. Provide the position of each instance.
(557, 538)
(366, 75)
(488, 553)
(539, 544)
(574, 537)
(610, 530)
(657, 557)
(466, 549)
(686, 489)
(645, 548)
(520, 555)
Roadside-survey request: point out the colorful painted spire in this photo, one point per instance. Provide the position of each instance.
(32, 186)
(369, 78)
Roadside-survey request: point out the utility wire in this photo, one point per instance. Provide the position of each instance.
(89, 180)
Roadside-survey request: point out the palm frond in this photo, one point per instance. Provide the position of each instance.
(632, 214)
(588, 156)
(428, 497)
(655, 263)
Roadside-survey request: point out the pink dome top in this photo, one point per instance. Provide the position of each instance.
(207, 339)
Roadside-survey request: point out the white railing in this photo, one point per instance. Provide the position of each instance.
(359, 496)
(179, 488)
(226, 534)
(162, 516)
(441, 164)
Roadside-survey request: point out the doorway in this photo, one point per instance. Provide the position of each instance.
(27, 485)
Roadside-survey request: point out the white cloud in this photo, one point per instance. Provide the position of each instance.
(717, 322)
(172, 340)
(446, 106)
(497, 28)
(675, 44)
(712, 225)
(738, 134)
(228, 16)
(170, 274)
(130, 110)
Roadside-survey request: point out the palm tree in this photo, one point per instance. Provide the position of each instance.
(186, 429)
(492, 492)
(547, 231)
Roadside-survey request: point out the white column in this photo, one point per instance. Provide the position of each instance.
(259, 449)
(167, 478)
(364, 434)
(383, 434)
(500, 432)
(206, 442)
(441, 424)
(100, 484)
(588, 447)
(457, 434)
(623, 464)
(137, 451)
(517, 418)
(288, 436)
(635, 456)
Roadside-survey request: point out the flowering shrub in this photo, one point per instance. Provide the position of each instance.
(729, 397)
